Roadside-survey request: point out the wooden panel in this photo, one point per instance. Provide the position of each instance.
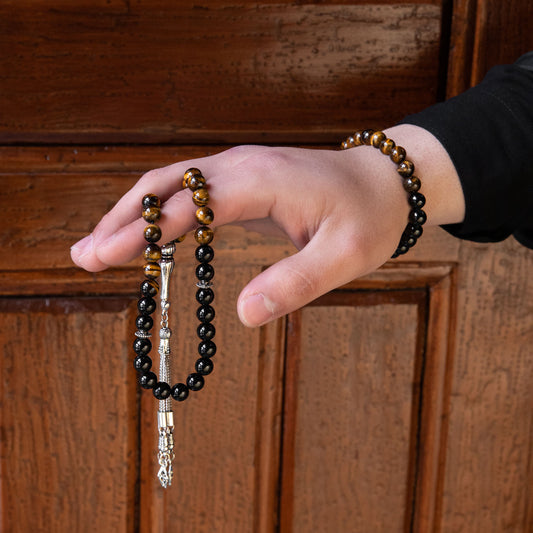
(69, 447)
(175, 71)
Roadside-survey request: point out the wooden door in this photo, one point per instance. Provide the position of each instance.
(400, 402)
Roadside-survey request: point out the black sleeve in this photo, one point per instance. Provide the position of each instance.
(488, 133)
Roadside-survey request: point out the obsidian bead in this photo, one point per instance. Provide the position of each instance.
(195, 381)
(203, 235)
(206, 331)
(148, 380)
(406, 168)
(366, 136)
(207, 348)
(144, 322)
(152, 233)
(415, 229)
(142, 363)
(179, 392)
(205, 272)
(161, 390)
(149, 287)
(417, 216)
(151, 200)
(411, 184)
(146, 305)
(205, 313)
(408, 239)
(417, 199)
(142, 346)
(205, 296)
(204, 366)
(204, 253)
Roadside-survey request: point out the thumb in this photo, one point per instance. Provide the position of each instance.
(289, 284)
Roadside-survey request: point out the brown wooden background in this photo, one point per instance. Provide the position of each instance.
(400, 402)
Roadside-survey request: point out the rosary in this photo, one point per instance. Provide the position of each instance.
(160, 263)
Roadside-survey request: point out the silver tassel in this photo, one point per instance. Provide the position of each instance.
(165, 417)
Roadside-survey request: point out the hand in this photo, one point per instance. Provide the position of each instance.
(344, 210)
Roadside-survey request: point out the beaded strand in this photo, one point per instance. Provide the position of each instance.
(411, 184)
(204, 253)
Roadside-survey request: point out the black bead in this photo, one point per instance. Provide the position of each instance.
(205, 313)
(142, 346)
(414, 229)
(205, 296)
(204, 253)
(179, 392)
(206, 331)
(149, 287)
(207, 348)
(195, 381)
(204, 366)
(417, 199)
(142, 363)
(146, 305)
(162, 390)
(417, 216)
(151, 200)
(144, 322)
(205, 272)
(148, 380)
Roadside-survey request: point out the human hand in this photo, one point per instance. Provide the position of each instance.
(344, 210)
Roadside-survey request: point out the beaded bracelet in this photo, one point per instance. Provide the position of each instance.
(162, 390)
(411, 184)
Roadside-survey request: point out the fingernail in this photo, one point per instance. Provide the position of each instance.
(256, 310)
(82, 247)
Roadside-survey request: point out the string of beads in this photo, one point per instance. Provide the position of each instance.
(151, 212)
(411, 183)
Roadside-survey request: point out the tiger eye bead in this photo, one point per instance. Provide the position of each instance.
(200, 197)
(203, 235)
(205, 215)
(367, 135)
(151, 200)
(152, 270)
(152, 252)
(149, 287)
(152, 233)
(406, 168)
(387, 146)
(398, 154)
(377, 138)
(189, 174)
(196, 182)
(411, 184)
(358, 138)
(151, 214)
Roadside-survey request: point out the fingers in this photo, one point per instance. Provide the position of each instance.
(322, 265)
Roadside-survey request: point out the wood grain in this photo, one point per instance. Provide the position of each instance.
(151, 72)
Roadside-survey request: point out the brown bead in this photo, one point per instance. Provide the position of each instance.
(358, 138)
(152, 252)
(196, 182)
(366, 136)
(179, 239)
(406, 168)
(377, 138)
(151, 200)
(151, 214)
(203, 235)
(411, 184)
(200, 197)
(204, 215)
(152, 233)
(398, 154)
(189, 173)
(152, 270)
(387, 146)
